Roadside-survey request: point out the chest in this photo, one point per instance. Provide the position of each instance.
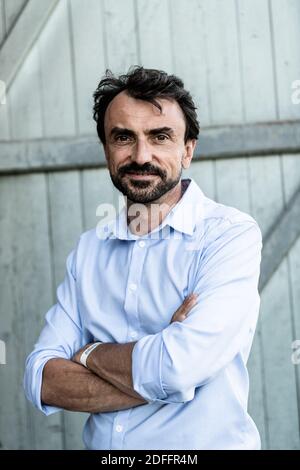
(132, 288)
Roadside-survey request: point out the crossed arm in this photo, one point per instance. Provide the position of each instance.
(210, 337)
(107, 383)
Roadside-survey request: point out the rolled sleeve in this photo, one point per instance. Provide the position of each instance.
(61, 337)
(33, 383)
(147, 363)
(168, 366)
(146, 368)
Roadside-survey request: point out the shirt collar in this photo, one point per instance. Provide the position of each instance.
(183, 217)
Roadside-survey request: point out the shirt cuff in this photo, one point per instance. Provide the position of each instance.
(146, 368)
(33, 387)
(147, 363)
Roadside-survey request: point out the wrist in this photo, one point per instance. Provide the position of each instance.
(87, 352)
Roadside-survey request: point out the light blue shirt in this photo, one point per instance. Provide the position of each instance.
(121, 288)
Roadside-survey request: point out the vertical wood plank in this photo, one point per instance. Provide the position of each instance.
(232, 183)
(291, 183)
(223, 62)
(286, 42)
(256, 386)
(120, 34)
(257, 395)
(25, 100)
(89, 66)
(154, 34)
(256, 60)
(66, 227)
(4, 118)
(56, 74)
(265, 214)
(257, 400)
(203, 173)
(97, 188)
(232, 189)
(65, 218)
(13, 415)
(266, 190)
(294, 277)
(31, 263)
(291, 174)
(2, 22)
(190, 52)
(280, 398)
(33, 281)
(294, 257)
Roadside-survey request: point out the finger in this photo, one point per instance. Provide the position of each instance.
(179, 317)
(182, 313)
(185, 307)
(188, 303)
(190, 299)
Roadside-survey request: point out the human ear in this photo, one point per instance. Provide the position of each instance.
(189, 152)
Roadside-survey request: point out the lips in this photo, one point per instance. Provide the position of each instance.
(140, 174)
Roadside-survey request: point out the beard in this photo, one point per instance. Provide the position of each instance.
(144, 190)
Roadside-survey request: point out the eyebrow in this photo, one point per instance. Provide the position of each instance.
(159, 130)
(123, 130)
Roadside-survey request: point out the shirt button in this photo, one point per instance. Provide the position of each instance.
(132, 286)
(119, 428)
(142, 244)
(133, 334)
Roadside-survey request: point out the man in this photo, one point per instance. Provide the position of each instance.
(155, 318)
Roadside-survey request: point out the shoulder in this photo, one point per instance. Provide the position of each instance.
(221, 221)
(89, 237)
(86, 250)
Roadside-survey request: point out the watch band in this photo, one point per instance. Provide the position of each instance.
(87, 352)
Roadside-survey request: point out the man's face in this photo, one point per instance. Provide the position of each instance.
(145, 148)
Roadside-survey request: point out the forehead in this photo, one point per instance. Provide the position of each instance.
(125, 111)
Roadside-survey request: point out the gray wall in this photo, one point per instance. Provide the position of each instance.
(239, 59)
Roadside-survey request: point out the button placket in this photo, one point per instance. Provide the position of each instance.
(119, 429)
(134, 281)
(130, 307)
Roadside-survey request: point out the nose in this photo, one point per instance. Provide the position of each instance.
(141, 152)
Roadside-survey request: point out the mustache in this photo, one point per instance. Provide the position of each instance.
(145, 169)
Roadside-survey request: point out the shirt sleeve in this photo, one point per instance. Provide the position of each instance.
(61, 337)
(169, 365)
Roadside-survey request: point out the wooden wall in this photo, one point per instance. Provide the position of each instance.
(239, 59)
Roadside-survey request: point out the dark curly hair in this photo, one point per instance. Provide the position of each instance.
(147, 85)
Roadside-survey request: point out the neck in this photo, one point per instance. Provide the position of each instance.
(146, 217)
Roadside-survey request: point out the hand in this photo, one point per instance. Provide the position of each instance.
(180, 315)
(187, 305)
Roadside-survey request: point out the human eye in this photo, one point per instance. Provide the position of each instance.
(122, 138)
(161, 137)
